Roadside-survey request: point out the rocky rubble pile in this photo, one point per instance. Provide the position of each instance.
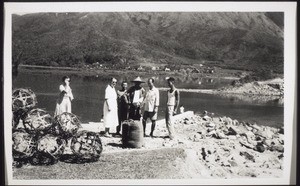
(229, 148)
(252, 136)
(221, 147)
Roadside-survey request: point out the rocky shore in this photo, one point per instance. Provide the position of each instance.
(258, 91)
(274, 87)
(208, 146)
(219, 147)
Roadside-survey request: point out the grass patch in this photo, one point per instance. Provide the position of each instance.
(136, 164)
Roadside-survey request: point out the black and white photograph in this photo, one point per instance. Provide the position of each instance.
(149, 92)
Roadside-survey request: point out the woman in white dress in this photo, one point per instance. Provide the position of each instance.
(63, 103)
(110, 108)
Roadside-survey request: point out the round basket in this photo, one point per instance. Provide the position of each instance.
(52, 145)
(24, 145)
(42, 158)
(23, 99)
(48, 151)
(38, 121)
(68, 124)
(86, 146)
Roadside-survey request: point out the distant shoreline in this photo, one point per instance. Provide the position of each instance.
(94, 72)
(110, 72)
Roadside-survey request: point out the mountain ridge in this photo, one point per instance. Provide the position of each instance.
(231, 39)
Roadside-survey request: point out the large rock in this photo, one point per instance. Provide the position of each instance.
(211, 125)
(242, 128)
(210, 129)
(221, 135)
(259, 147)
(244, 142)
(250, 135)
(207, 118)
(268, 142)
(232, 131)
(227, 121)
(278, 148)
(232, 163)
(196, 137)
(280, 156)
(232, 137)
(281, 130)
(235, 122)
(247, 156)
(255, 126)
(211, 134)
(265, 134)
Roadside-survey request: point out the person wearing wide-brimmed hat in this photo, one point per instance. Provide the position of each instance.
(136, 96)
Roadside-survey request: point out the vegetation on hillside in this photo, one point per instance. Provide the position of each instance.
(247, 41)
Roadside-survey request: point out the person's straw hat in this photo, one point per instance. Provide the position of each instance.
(138, 79)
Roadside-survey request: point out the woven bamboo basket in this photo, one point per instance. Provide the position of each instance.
(41, 158)
(68, 124)
(48, 151)
(24, 145)
(38, 122)
(52, 145)
(85, 146)
(23, 99)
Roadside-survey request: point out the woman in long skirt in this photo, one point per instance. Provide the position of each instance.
(110, 108)
(63, 103)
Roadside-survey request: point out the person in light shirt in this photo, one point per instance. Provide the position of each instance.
(136, 96)
(110, 108)
(172, 106)
(63, 103)
(150, 105)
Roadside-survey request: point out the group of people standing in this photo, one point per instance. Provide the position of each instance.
(128, 103)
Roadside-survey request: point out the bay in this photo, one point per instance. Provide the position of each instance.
(89, 97)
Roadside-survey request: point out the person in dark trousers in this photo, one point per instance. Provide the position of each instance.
(123, 107)
(150, 105)
(172, 106)
(136, 96)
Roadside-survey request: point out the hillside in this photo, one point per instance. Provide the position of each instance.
(226, 39)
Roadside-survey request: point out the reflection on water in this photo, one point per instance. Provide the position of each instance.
(89, 97)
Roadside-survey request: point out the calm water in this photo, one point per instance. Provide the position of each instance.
(89, 97)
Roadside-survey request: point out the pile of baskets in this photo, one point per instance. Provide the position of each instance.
(40, 139)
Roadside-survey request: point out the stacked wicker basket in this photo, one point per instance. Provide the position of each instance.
(40, 139)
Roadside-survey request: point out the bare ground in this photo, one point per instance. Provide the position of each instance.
(205, 147)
